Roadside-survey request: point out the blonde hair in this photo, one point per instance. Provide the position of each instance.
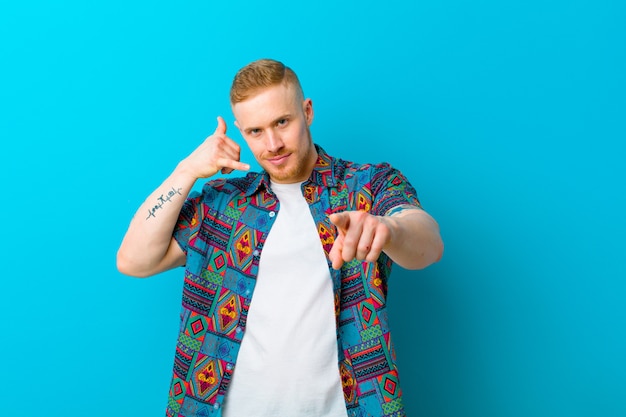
(262, 74)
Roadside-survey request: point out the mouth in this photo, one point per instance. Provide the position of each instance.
(279, 159)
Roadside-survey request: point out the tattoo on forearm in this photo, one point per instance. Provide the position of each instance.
(401, 209)
(162, 200)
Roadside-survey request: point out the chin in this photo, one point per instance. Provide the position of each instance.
(285, 176)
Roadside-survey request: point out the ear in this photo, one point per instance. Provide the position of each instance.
(307, 107)
(237, 125)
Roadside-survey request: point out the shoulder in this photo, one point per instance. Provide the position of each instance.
(346, 170)
(232, 187)
(379, 178)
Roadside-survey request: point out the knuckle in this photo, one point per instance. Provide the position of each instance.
(361, 215)
(349, 241)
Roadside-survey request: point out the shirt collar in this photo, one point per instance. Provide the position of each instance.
(322, 174)
(324, 169)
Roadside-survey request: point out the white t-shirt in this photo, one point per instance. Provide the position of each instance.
(287, 363)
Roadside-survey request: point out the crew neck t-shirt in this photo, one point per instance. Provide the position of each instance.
(287, 363)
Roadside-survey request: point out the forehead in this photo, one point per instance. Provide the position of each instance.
(266, 105)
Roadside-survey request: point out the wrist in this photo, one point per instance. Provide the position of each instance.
(392, 228)
(184, 171)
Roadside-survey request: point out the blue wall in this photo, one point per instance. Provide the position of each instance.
(508, 117)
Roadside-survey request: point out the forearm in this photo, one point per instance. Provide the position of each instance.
(414, 241)
(148, 246)
(149, 234)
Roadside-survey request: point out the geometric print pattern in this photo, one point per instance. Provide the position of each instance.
(226, 316)
(205, 378)
(243, 243)
(223, 230)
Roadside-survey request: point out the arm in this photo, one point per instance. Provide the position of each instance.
(148, 246)
(407, 234)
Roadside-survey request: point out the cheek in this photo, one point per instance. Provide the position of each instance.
(298, 133)
(258, 148)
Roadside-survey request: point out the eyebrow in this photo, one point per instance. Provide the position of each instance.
(273, 122)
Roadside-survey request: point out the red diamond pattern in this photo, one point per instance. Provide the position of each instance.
(197, 326)
(390, 386)
(366, 312)
(178, 389)
(219, 261)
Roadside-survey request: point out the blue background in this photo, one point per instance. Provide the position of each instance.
(507, 116)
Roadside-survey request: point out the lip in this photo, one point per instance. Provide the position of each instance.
(279, 160)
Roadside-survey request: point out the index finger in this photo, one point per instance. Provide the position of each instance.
(341, 220)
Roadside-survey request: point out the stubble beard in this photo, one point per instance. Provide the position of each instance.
(298, 171)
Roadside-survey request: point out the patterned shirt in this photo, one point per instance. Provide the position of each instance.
(223, 230)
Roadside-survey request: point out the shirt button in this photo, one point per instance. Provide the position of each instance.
(229, 367)
(256, 252)
(216, 405)
(272, 213)
(239, 329)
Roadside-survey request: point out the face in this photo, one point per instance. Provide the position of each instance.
(275, 125)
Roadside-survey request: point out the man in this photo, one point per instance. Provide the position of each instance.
(286, 270)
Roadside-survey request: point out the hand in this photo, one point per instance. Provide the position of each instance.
(218, 152)
(360, 236)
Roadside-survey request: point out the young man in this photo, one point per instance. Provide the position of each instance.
(285, 285)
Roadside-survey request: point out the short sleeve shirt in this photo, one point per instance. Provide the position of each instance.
(222, 231)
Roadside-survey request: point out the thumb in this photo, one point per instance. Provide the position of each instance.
(341, 220)
(221, 126)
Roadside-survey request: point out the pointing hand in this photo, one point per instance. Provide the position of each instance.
(360, 235)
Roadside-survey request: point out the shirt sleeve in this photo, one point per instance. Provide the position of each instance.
(391, 189)
(189, 221)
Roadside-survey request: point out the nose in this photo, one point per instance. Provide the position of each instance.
(274, 142)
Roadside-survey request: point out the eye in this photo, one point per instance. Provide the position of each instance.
(255, 132)
(282, 122)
